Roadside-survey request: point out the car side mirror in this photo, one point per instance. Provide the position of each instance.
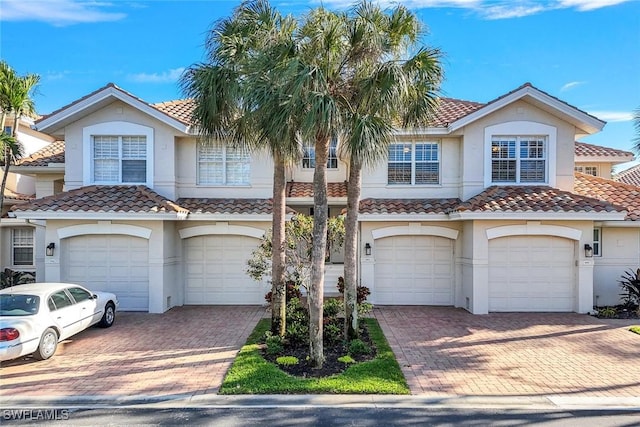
(94, 296)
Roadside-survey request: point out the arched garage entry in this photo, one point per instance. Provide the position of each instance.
(215, 259)
(414, 265)
(532, 270)
(117, 263)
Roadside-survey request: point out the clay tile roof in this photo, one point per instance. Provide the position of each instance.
(449, 110)
(180, 109)
(583, 149)
(408, 206)
(104, 198)
(534, 199)
(13, 196)
(51, 153)
(227, 206)
(629, 176)
(613, 192)
(305, 189)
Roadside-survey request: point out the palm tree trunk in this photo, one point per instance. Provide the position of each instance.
(351, 250)
(278, 286)
(316, 287)
(7, 160)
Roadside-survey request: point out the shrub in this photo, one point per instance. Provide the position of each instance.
(287, 360)
(297, 322)
(274, 343)
(332, 333)
(292, 289)
(630, 284)
(607, 312)
(332, 307)
(346, 359)
(10, 278)
(362, 292)
(358, 347)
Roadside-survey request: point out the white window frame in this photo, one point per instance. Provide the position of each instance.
(118, 129)
(222, 163)
(523, 129)
(410, 146)
(597, 241)
(309, 155)
(584, 169)
(23, 242)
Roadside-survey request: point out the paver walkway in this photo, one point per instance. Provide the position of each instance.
(444, 351)
(186, 350)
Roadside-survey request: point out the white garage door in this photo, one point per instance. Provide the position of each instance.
(531, 273)
(414, 270)
(112, 263)
(216, 270)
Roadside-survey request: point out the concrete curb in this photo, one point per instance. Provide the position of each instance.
(552, 403)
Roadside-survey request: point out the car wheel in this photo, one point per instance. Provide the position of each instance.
(48, 345)
(109, 316)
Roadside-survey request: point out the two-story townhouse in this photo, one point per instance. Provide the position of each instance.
(480, 209)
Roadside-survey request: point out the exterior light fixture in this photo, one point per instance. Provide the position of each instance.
(50, 247)
(367, 249)
(588, 251)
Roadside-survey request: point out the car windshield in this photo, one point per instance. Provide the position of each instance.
(19, 305)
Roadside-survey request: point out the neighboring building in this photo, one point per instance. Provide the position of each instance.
(18, 237)
(629, 176)
(480, 209)
(598, 161)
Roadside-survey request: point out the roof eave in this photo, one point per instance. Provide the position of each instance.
(579, 118)
(604, 159)
(371, 217)
(580, 216)
(100, 98)
(194, 216)
(44, 215)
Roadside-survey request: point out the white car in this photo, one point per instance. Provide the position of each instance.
(36, 316)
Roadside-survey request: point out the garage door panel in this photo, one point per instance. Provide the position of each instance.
(414, 270)
(216, 270)
(531, 273)
(111, 263)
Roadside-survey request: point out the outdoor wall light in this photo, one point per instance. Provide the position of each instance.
(50, 247)
(367, 249)
(588, 251)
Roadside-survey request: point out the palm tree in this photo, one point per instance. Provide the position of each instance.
(386, 89)
(237, 100)
(15, 98)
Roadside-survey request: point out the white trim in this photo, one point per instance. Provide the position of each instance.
(522, 128)
(39, 215)
(414, 230)
(223, 228)
(102, 97)
(586, 216)
(104, 228)
(589, 123)
(115, 128)
(402, 217)
(534, 230)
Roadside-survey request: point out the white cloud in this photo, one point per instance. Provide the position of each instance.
(570, 85)
(165, 77)
(613, 116)
(491, 9)
(58, 12)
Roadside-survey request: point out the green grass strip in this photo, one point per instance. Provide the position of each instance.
(252, 374)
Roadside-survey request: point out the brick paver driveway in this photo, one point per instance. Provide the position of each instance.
(446, 351)
(184, 351)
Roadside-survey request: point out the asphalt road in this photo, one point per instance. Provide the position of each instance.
(316, 416)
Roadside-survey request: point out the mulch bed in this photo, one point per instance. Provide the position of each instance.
(331, 365)
(619, 312)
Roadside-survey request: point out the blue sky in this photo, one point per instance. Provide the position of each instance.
(585, 52)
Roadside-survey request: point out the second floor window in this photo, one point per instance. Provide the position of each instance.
(219, 164)
(309, 155)
(518, 159)
(120, 159)
(588, 170)
(414, 163)
(22, 246)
